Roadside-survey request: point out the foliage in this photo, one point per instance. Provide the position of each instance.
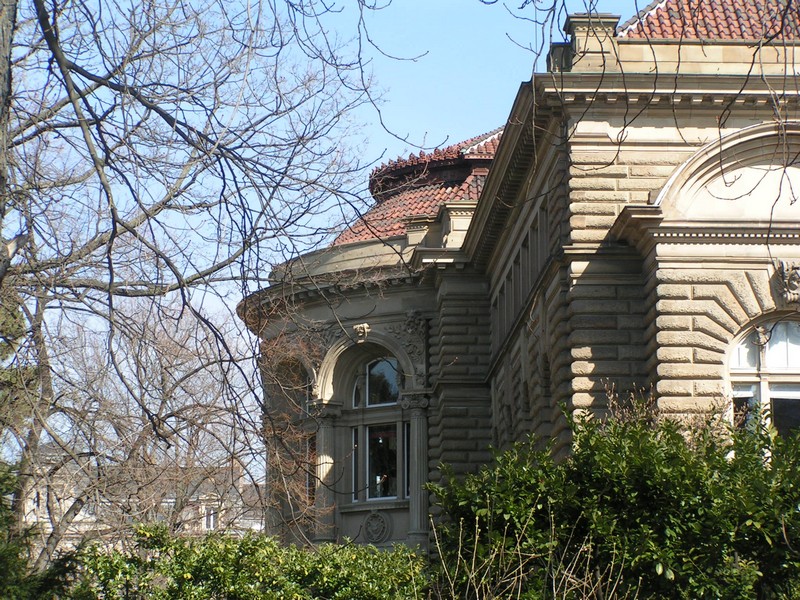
(164, 567)
(16, 581)
(644, 508)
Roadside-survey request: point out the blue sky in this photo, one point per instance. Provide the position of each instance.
(466, 83)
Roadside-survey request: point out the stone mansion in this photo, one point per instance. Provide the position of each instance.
(632, 224)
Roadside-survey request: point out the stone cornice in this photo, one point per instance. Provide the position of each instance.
(254, 308)
(644, 227)
(660, 89)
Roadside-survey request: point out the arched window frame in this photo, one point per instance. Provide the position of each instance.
(366, 382)
(764, 370)
(379, 436)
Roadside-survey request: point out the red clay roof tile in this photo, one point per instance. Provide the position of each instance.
(750, 20)
(416, 186)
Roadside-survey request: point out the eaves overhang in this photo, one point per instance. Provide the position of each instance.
(511, 163)
(282, 299)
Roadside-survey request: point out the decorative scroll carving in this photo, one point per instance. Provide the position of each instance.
(330, 335)
(323, 411)
(413, 334)
(414, 401)
(377, 527)
(789, 281)
(762, 336)
(362, 331)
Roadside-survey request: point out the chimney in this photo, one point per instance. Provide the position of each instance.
(592, 45)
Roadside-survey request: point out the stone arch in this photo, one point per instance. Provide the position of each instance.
(750, 175)
(342, 350)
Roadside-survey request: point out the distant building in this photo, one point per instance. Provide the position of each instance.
(70, 505)
(633, 225)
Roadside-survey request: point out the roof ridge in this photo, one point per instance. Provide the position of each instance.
(439, 153)
(482, 139)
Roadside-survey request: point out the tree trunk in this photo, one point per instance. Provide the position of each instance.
(8, 19)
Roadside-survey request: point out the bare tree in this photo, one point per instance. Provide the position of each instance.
(167, 432)
(165, 152)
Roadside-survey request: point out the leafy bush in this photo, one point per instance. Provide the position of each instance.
(162, 567)
(643, 508)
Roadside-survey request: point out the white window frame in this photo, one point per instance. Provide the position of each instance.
(361, 387)
(360, 466)
(766, 382)
(211, 520)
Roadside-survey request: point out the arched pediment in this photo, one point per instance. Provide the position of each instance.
(752, 175)
(346, 353)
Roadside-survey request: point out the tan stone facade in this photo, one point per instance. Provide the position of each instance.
(637, 223)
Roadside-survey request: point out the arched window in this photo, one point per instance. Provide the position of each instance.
(765, 375)
(379, 437)
(379, 384)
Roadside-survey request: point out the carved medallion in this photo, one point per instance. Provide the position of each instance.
(377, 528)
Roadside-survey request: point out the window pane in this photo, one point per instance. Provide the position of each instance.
(356, 484)
(211, 518)
(407, 458)
(783, 347)
(746, 403)
(785, 414)
(745, 356)
(357, 394)
(382, 461)
(777, 346)
(383, 385)
(792, 344)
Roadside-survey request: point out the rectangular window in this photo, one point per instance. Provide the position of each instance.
(211, 518)
(785, 407)
(746, 403)
(543, 237)
(407, 457)
(356, 483)
(382, 461)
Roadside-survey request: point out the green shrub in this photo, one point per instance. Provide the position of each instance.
(642, 508)
(162, 567)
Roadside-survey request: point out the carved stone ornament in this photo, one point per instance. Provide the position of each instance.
(762, 336)
(377, 527)
(362, 331)
(414, 401)
(330, 335)
(790, 281)
(413, 333)
(324, 411)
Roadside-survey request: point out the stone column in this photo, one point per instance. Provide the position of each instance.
(324, 498)
(418, 470)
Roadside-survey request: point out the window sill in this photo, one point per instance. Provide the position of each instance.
(376, 504)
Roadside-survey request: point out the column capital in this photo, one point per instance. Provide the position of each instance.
(414, 401)
(325, 411)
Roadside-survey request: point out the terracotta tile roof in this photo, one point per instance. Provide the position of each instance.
(486, 143)
(715, 20)
(416, 186)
